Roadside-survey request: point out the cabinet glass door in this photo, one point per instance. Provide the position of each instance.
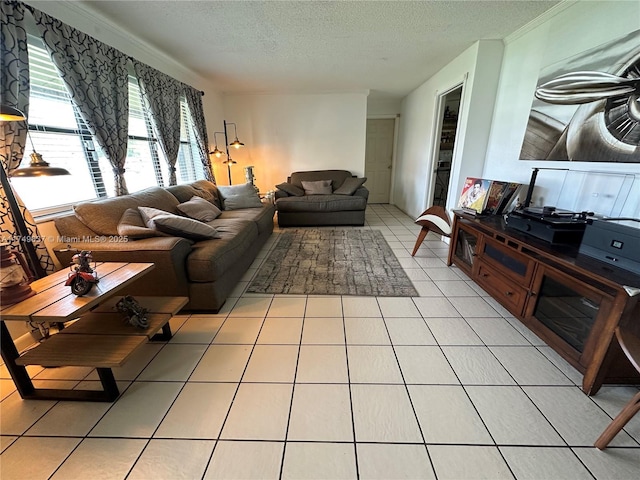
(505, 257)
(466, 247)
(565, 311)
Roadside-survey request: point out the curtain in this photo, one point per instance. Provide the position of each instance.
(194, 101)
(162, 96)
(96, 76)
(14, 91)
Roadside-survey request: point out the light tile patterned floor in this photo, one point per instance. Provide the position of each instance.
(447, 385)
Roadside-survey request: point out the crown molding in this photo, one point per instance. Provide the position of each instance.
(536, 22)
(297, 92)
(106, 30)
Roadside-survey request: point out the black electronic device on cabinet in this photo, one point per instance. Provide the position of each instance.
(550, 224)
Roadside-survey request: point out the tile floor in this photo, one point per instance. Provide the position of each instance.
(447, 385)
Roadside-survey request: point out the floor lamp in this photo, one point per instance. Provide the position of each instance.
(37, 168)
(236, 144)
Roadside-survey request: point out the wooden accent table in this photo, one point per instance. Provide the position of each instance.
(99, 339)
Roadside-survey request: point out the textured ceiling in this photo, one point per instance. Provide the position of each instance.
(387, 47)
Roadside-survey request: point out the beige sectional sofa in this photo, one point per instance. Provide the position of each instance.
(205, 270)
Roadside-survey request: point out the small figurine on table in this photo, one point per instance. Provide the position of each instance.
(82, 277)
(135, 314)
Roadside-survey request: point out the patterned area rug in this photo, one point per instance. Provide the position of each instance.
(332, 262)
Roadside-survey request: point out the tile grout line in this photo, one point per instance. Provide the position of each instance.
(293, 390)
(353, 420)
(217, 440)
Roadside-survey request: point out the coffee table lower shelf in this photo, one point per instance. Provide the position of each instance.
(99, 339)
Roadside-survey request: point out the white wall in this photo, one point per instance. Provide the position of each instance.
(567, 32)
(478, 67)
(284, 133)
(379, 106)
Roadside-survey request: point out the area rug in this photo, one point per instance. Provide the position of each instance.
(312, 261)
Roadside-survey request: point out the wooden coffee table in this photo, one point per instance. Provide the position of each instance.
(100, 338)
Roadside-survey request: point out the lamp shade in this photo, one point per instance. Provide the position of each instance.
(38, 168)
(10, 114)
(217, 152)
(236, 143)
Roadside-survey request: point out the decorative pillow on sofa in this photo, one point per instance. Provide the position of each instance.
(239, 196)
(175, 225)
(350, 186)
(291, 189)
(199, 209)
(132, 225)
(321, 187)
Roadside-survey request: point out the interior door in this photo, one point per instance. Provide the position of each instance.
(449, 108)
(378, 158)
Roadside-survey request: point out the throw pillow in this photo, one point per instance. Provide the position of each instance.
(291, 189)
(199, 209)
(148, 213)
(350, 186)
(175, 225)
(239, 196)
(321, 187)
(132, 225)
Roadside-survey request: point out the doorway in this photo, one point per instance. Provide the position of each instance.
(379, 158)
(449, 108)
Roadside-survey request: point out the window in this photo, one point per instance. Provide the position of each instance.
(145, 159)
(187, 169)
(58, 132)
(55, 133)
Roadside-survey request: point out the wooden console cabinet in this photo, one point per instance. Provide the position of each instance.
(573, 302)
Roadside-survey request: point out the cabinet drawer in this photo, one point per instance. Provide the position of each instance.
(503, 289)
(511, 262)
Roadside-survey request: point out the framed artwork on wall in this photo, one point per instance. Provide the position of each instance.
(587, 107)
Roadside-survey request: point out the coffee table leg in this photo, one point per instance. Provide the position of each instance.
(166, 334)
(27, 391)
(108, 383)
(18, 372)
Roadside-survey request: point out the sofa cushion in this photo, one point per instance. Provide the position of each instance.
(211, 259)
(175, 225)
(103, 216)
(199, 209)
(263, 217)
(200, 188)
(291, 189)
(239, 196)
(321, 203)
(71, 228)
(133, 226)
(350, 186)
(336, 176)
(184, 192)
(318, 187)
(208, 191)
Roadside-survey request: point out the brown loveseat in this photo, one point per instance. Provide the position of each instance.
(204, 270)
(344, 202)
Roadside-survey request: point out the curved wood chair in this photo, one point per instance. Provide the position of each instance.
(630, 344)
(434, 219)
